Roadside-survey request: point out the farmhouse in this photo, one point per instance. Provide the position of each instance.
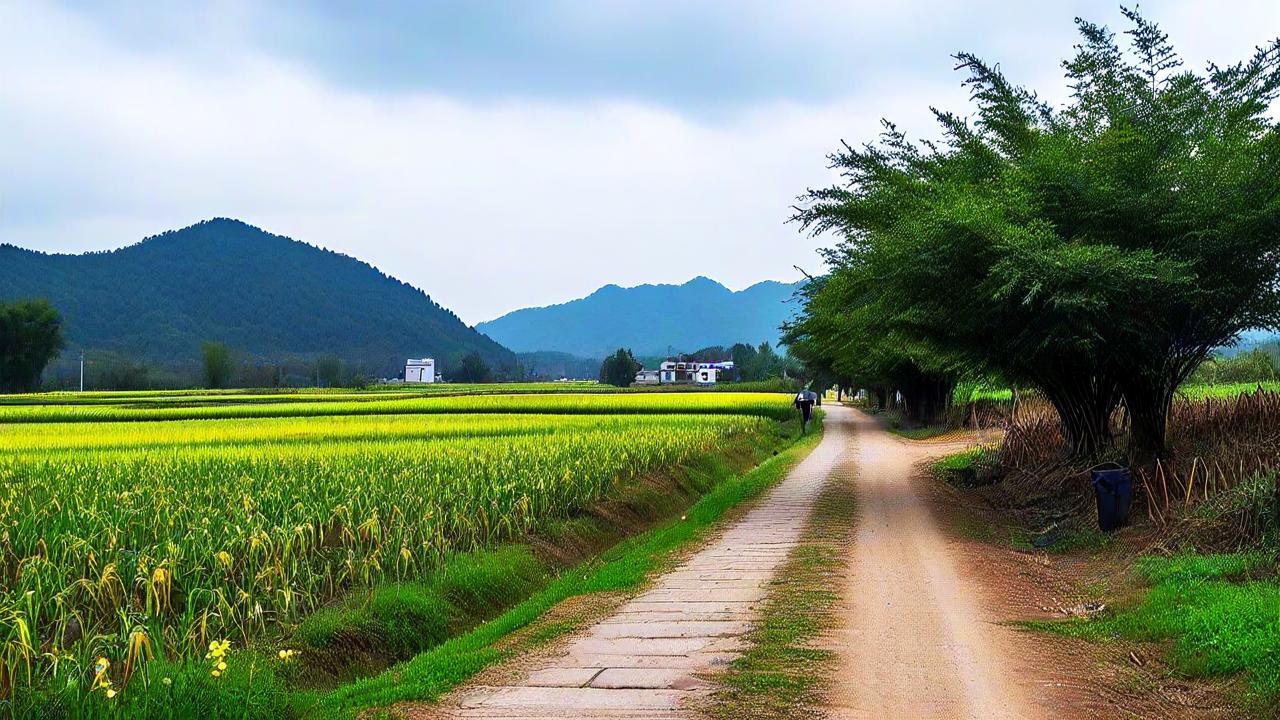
(420, 370)
(676, 372)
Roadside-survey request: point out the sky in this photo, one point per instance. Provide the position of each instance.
(501, 155)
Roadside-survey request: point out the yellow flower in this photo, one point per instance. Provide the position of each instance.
(287, 655)
(111, 693)
(101, 665)
(222, 666)
(216, 673)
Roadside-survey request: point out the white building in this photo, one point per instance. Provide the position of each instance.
(420, 370)
(675, 371)
(647, 377)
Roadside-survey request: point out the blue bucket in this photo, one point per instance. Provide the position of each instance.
(1114, 490)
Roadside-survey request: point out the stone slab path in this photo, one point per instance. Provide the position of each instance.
(643, 661)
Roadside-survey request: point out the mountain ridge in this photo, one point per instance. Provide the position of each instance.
(647, 318)
(263, 294)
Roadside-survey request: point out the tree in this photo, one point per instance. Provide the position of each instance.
(329, 371)
(30, 337)
(619, 369)
(472, 369)
(844, 334)
(1099, 251)
(218, 366)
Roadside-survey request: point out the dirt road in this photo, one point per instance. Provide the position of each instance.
(917, 641)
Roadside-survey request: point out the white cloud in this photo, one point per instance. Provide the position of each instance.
(488, 205)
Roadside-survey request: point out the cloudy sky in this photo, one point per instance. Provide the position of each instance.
(499, 154)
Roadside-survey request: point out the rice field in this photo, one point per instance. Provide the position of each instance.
(132, 528)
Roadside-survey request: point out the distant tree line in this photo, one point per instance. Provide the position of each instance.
(751, 363)
(1098, 252)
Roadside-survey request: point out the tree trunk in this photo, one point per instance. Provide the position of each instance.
(926, 400)
(1084, 405)
(1148, 405)
(882, 398)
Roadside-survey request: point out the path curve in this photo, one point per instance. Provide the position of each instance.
(643, 661)
(918, 641)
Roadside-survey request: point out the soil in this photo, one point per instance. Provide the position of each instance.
(930, 624)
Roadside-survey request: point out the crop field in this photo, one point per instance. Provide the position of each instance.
(131, 528)
(773, 405)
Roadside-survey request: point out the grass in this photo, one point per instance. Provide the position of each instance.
(1226, 390)
(956, 462)
(1218, 614)
(624, 567)
(782, 674)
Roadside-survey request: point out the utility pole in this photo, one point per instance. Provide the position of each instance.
(81, 371)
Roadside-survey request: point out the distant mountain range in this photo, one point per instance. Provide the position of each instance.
(263, 295)
(649, 319)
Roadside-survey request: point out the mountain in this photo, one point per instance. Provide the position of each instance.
(649, 318)
(263, 295)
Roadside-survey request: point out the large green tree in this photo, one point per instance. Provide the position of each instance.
(1098, 251)
(843, 335)
(30, 337)
(217, 364)
(472, 369)
(619, 369)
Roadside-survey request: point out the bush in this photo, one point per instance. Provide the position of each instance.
(1253, 366)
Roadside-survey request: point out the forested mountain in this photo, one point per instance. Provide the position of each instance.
(649, 318)
(265, 296)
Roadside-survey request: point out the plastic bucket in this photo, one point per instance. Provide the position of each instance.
(1114, 490)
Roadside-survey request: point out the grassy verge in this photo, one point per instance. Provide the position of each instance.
(782, 673)
(1218, 614)
(626, 566)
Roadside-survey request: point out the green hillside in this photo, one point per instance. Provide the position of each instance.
(264, 295)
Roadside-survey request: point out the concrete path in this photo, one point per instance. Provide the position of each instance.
(643, 661)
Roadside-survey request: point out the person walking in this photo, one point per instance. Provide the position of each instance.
(805, 400)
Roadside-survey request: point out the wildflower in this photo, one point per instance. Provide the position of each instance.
(110, 692)
(167, 681)
(218, 653)
(287, 655)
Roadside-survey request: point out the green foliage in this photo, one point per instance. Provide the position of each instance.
(755, 364)
(843, 338)
(252, 688)
(218, 367)
(1255, 366)
(472, 369)
(403, 619)
(1096, 252)
(329, 371)
(30, 336)
(268, 296)
(619, 369)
